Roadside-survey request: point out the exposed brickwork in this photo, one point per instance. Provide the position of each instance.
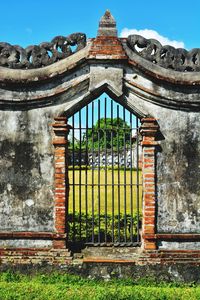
(171, 257)
(31, 235)
(174, 237)
(152, 258)
(149, 131)
(110, 47)
(61, 190)
(34, 256)
(58, 257)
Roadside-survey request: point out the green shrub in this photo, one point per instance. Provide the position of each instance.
(81, 226)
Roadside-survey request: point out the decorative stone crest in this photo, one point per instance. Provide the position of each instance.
(16, 57)
(165, 56)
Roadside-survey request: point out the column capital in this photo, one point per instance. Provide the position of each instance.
(149, 127)
(149, 130)
(61, 129)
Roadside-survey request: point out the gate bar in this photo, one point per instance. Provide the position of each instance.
(80, 208)
(131, 179)
(99, 196)
(125, 219)
(92, 172)
(73, 175)
(118, 173)
(86, 173)
(113, 208)
(138, 180)
(106, 179)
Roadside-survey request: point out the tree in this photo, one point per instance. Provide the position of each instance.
(107, 133)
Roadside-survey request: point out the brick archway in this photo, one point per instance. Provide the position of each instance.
(149, 129)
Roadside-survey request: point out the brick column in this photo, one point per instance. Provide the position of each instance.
(149, 130)
(61, 129)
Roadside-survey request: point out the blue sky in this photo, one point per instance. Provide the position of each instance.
(31, 22)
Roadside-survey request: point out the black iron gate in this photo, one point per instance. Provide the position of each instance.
(104, 176)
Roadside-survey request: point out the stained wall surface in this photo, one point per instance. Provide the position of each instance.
(31, 96)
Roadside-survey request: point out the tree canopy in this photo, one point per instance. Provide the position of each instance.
(107, 133)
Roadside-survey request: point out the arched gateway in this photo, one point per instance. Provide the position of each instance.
(56, 170)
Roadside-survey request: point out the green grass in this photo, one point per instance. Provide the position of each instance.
(112, 212)
(125, 176)
(64, 286)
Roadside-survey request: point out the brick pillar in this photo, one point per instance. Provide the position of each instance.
(61, 129)
(149, 130)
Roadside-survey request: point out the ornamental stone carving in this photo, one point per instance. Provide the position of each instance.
(16, 57)
(165, 56)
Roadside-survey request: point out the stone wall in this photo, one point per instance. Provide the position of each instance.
(33, 181)
(109, 159)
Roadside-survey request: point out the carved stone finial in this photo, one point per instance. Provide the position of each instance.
(107, 25)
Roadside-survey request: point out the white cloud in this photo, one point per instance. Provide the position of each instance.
(152, 34)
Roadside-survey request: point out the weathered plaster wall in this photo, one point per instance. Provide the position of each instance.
(178, 168)
(26, 177)
(27, 152)
(26, 171)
